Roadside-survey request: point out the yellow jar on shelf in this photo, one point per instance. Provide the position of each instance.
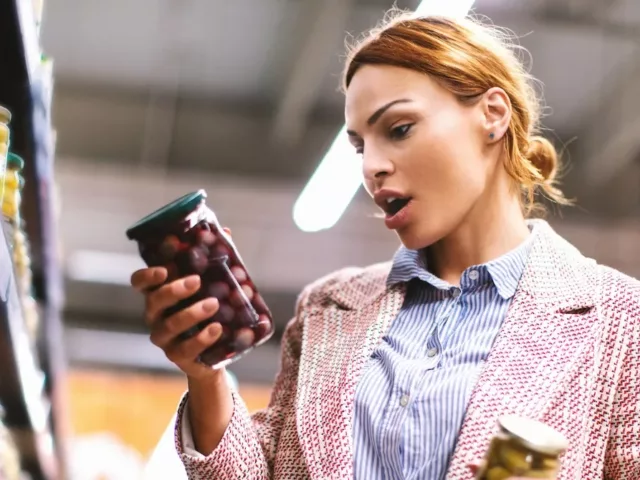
(9, 454)
(12, 189)
(17, 239)
(5, 115)
(5, 135)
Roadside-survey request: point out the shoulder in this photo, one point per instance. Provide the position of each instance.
(619, 293)
(347, 286)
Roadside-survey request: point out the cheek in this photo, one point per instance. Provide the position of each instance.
(454, 135)
(451, 160)
(368, 186)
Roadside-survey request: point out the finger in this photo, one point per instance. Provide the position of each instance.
(168, 295)
(186, 352)
(147, 278)
(475, 467)
(164, 332)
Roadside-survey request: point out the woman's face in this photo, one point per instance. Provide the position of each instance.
(423, 148)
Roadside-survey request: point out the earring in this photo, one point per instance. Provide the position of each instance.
(491, 135)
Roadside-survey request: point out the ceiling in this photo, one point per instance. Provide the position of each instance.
(251, 86)
(156, 96)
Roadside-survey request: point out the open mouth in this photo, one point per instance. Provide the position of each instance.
(394, 205)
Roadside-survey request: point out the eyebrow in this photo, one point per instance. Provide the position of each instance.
(378, 113)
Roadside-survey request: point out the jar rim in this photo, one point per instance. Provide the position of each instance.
(534, 435)
(175, 210)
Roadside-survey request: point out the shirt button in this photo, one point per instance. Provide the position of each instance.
(432, 352)
(404, 400)
(473, 274)
(455, 293)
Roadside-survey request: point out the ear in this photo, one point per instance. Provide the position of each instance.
(496, 108)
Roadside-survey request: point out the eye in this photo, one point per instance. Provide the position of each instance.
(359, 149)
(400, 131)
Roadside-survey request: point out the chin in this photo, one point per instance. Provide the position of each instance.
(426, 231)
(416, 241)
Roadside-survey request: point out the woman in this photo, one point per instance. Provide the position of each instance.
(400, 370)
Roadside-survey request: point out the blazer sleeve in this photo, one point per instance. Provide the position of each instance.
(622, 457)
(248, 446)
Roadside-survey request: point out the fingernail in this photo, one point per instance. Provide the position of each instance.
(192, 282)
(157, 275)
(210, 305)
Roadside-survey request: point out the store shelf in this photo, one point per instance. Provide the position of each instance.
(34, 407)
(21, 380)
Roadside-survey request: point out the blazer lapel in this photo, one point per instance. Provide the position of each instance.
(549, 326)
(339, 336)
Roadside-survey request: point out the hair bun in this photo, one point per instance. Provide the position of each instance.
(543, 156)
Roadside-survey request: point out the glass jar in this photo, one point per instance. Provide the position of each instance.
(186, 238)
(523, 448)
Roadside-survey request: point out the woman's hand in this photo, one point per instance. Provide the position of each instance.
(183, 353)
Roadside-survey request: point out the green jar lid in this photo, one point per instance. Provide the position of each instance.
(5, 115)
(15, 162)
(170, 213)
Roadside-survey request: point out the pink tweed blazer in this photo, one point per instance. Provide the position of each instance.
(568, 354)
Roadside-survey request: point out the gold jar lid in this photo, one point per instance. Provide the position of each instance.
(5, 115)
(534, 435)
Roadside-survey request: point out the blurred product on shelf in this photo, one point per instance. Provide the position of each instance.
(11, 198)
(13, 183)
(9, 456)
(5, 119)
(17, 238)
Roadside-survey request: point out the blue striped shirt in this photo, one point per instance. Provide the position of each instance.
(412, 398)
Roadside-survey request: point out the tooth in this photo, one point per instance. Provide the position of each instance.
(389, 200)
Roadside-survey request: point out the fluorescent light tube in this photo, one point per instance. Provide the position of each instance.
(331, 187)
(339, 176)
(444, 8)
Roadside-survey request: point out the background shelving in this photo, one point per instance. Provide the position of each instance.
(32, 383)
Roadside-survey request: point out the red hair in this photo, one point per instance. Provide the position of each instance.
(468, 58)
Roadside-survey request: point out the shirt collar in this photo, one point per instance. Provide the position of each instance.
(504, 271)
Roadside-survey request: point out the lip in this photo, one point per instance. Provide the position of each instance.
(380, 197)
(400, 219)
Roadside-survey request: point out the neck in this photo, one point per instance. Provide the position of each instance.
(490, 230)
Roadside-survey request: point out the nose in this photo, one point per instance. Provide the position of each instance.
(375, 165)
